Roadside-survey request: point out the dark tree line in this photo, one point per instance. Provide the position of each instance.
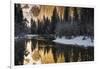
(20, 26)
(87, 21)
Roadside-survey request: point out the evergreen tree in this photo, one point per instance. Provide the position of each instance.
(75, 14)
(66, 13)
(54, 20)
(47, 26)
(33, 27)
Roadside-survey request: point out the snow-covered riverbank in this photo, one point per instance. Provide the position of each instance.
(75, 41)
(26, 36)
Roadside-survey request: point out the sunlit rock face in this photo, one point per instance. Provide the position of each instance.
(35, 10)
(60, 11)
(30, 12)
(26, 14)
(39, 11)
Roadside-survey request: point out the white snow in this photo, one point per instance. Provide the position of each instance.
(31, 35)
(26, 36)
(75, 41)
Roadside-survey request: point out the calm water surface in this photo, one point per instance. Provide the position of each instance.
(32, 51)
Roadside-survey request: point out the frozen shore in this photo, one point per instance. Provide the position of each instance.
(26, 36)
(75, 41)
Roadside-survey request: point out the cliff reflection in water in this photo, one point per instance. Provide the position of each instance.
(40, 53)
(30, 51)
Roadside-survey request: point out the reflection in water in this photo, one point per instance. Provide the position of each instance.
(32, 56)
(30, 51)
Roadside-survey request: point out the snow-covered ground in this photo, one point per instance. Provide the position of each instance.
(26, 36)
(75, 41)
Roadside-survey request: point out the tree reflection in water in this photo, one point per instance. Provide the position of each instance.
(30, 51)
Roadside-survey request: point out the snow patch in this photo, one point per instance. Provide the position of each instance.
(26, 36)
(75, 41)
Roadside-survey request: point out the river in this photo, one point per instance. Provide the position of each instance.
(33, 51)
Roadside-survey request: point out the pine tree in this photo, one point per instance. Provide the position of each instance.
(54, 20)
(66, 13)
(33, 27)
(75, 14)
